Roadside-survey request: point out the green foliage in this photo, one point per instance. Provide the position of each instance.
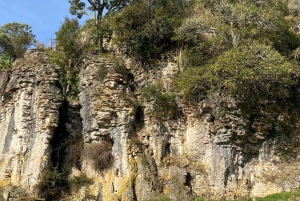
(5, 62)
(99, 27)
(97, 7)
(252, 74)
(68, 73)
(68, 55)
(199, 199)
(145, 28)
(53, 184)
(284, 196)
(215, 27)
(82, 179)
(67, 38)
(6, 46)
(94, 33)
(18, 38)
(164, 105)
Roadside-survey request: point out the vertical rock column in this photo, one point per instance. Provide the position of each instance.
(29, 114)
(107, 115)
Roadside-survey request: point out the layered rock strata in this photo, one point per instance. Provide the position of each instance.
(210, 149)
(29, 114)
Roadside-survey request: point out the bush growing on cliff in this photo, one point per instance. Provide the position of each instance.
(68, 55)
(5, 62)
(144, 29)
(253, 74)
(67, 38)
(164, 104)
(100, 155)
(53, 184)
(215, 27)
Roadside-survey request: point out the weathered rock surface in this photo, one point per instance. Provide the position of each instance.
(29, 114)
(203, 151)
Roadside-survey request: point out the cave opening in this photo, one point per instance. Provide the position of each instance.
(188, 179)
(168, 149)
(61, 137)
(139, 116)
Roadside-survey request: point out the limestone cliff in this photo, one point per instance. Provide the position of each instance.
(200, 151)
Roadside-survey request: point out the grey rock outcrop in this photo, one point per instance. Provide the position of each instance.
(29, 114)
(209, 150)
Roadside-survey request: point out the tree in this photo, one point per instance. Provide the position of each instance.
(97, 7)
(254, 74)
(20, 38)
(68, 55)
(226, 24)
(145, 28)
(6, 47)
(67, 38)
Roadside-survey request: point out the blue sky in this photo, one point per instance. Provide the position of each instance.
(44, 16)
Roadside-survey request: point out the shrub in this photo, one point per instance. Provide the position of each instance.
(164, 105)
(67, 38)
(253, 74)
(100, 154)
(5, 62)
(227, 24)
(145, 29)
(78, 181)
(75, 153)
(53, 184)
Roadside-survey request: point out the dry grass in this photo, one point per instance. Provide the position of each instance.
(100, 154)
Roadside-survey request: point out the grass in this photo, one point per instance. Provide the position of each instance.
(285, 196)
(290, 196)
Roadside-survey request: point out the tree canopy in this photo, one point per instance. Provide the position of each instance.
(15, 38)
(97, 7)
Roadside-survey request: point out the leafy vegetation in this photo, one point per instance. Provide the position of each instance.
(53, 184)
(215, 27)
(5, 62)
(251, 73)
(145, 28)
(68, 55)
(99, 9)
(15, 39)
(164, 104)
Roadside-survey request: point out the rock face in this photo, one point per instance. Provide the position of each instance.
(29, 114)
(201, 151)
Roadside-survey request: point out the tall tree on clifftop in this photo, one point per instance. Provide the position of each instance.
(16, 38)
(97, 9)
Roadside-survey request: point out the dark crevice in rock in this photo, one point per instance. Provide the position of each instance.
(139, 116)
(133, 191)
(168, 149)
(61, 137)
(188, 179)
